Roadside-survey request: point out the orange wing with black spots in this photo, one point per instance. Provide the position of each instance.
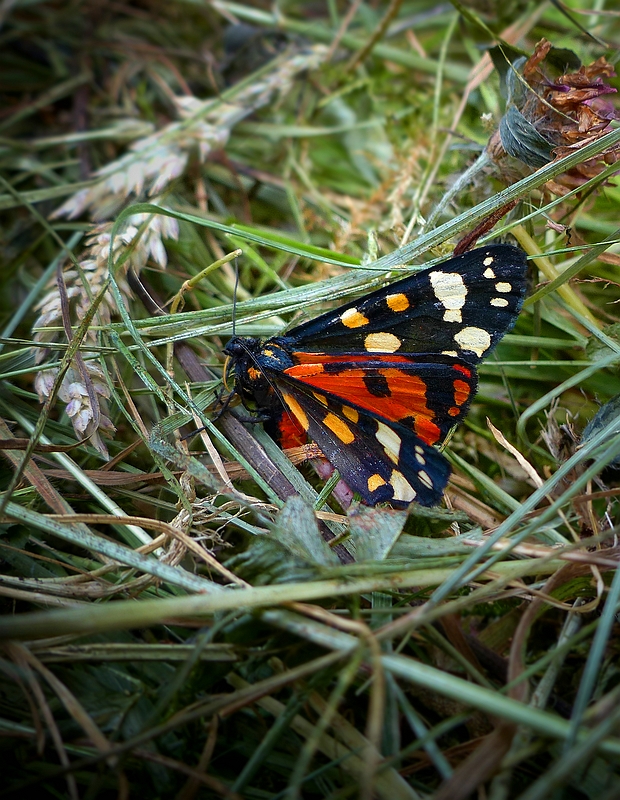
(377, 382)
(427, 397)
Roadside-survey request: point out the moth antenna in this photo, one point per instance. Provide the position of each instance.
(234, 303)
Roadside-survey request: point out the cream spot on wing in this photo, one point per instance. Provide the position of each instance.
(488, 261)
(297, 410)
(449, 353)
(320, 397)
(350, 413)
(390, 440)
(452, 315)
(339, 427)
(451, 292)
(397, 302)
(403, 490)
(475, 339)
(375, 482)
(503, 287)
(352, 318)
(425, 479)
(419, 456)
(488, 273)
(382, 343)
(499, 302)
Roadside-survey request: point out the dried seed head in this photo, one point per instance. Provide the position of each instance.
(149, 167)
(548, 117)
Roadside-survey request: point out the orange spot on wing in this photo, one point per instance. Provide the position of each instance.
(461, 392)
(463, 370)
(305, 370)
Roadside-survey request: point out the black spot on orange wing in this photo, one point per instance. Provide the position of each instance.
(377, 385)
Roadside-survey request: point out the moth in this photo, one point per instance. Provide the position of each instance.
(380, 381)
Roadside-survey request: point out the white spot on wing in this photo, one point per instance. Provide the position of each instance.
(425, 479)
(475, 339)
(403, 490)
(503, 287)
(488, 261)
(390, 440)
(488, 273)
(451, 292)
(499, 302)
(382, 343)
(452, 315)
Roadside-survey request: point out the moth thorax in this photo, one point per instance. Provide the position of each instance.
(275, 355)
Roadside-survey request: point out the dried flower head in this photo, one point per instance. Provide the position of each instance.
(154, 161)
(84, 390)
(142, 235)
(548, 117)
(87, 418)
(149, 167)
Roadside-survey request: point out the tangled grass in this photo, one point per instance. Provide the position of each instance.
(187, 610)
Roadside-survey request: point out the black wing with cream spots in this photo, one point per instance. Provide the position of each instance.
(461, 307)
(388, 463)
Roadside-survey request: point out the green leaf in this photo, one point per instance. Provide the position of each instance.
(521, 139)
(374, 531)
(297, 529)
(266, 561)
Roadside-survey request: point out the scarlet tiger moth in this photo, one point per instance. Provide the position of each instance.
(379, 381)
